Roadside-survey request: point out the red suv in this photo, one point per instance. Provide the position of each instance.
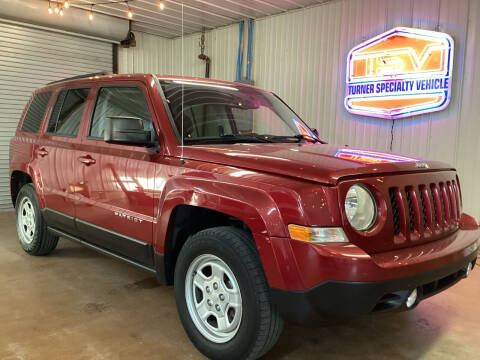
(222, 190)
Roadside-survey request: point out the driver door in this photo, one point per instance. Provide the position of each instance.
(115, 204)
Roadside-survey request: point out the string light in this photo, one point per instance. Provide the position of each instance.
(60, 7)
(90, 13)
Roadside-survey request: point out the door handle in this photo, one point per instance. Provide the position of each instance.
(87, 160)
(42, 152)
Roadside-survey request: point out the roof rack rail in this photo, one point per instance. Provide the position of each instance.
(78, 77)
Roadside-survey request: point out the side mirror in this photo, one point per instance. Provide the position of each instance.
(126, 130)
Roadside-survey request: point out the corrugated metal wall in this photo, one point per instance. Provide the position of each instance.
(159, 55)
(153, 54)
(301, 55)
(30, 58)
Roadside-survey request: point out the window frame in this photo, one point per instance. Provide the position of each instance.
(89, 87)
(45, 112)
(94, 107)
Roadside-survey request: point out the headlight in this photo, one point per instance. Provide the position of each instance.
(360, 207)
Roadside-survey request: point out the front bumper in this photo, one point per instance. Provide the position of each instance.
(344, 298)
(343, 280)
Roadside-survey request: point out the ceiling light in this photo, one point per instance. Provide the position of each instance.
(161, 5)
(130, 13)
(50, 10)
(60, 12)
(66, 4)
(57, 10)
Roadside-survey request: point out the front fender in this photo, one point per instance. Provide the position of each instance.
(251, 205)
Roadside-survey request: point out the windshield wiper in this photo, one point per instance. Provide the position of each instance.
(230, 138)
(298, 137)
(252, 135)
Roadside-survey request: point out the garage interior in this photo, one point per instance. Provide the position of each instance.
(77, 304)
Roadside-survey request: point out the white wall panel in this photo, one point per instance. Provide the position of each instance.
(301, 55)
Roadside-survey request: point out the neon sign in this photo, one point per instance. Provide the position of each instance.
(402, 72)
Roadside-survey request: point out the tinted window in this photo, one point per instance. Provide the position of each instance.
(119, 101)
(67, 112)
(216, 113)
(34, 116)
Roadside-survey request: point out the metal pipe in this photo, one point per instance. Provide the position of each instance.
(238, 76)
(249, 49)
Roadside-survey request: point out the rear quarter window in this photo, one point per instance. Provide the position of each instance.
(67, 112)
(36, 110)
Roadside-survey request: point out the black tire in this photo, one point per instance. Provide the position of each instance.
(260, 324)
(42, 241)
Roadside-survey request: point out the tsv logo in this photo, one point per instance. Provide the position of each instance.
(400, 73)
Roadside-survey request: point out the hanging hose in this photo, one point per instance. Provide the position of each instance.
(202, 55)
(207, 64)
(238, 75)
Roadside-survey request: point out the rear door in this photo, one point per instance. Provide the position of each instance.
(56, 157)
(115, 205)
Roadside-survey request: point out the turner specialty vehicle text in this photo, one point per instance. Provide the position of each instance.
(255, 220)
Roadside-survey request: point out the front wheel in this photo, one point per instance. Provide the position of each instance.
(222, 295)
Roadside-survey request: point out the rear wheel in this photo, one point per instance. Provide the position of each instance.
(222, 295)
(31, 228)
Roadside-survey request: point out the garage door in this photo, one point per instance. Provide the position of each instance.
(30, 58)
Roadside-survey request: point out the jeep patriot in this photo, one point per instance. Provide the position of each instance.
(221, 190)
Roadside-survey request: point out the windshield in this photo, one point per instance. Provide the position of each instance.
(221, 114)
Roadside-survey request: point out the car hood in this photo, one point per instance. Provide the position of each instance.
(323, 163)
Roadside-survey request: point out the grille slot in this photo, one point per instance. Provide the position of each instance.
(451, 201)
(396, 216)
(437, 206)
(424, 207)
(445, 205)
(411, 213)
(457, 198)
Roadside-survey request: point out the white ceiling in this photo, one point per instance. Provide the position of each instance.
(198, 14)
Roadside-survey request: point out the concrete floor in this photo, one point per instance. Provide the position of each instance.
(77, 304)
